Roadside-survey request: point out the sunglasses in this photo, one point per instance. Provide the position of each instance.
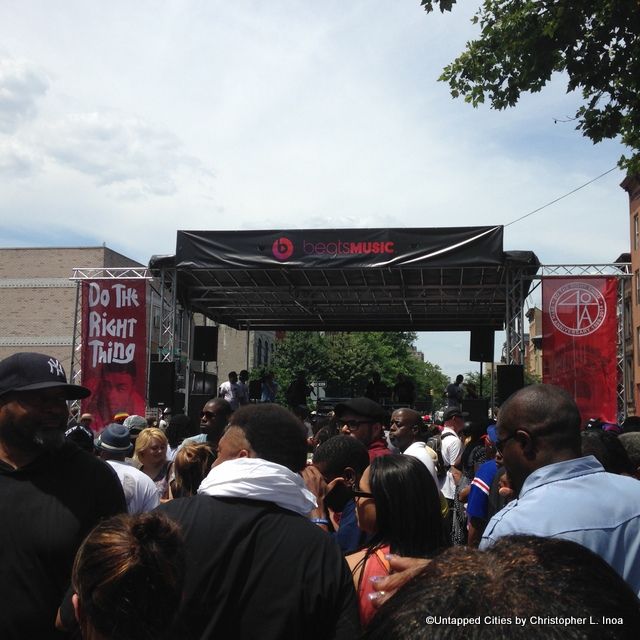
(209, 414)
(361, 494)
(499, 444)
(339, 496)
(354, 425)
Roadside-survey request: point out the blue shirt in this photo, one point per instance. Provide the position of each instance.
(478, 503)
(577, 500)
(348, 535)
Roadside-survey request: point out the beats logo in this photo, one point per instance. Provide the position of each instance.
(282, 249)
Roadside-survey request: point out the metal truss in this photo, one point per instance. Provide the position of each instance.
(168, 315)
(114, 273)
(621, 271)
(514, 317)
(618, 269)
(621, 387)
(516, 286)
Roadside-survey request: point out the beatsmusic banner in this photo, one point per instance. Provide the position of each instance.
(114, 339)
(340, 248)
(579, 342)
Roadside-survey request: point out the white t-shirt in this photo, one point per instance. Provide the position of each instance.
(140, 490)
(451, 447)
(232, 392)
(424, 453)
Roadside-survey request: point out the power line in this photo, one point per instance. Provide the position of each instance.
(544, 206)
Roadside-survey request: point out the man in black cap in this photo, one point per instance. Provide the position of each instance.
(364, 420)
(52, 494)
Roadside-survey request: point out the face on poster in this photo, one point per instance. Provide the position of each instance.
(114, 348)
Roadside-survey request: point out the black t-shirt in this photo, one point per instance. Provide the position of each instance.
(257, 571)
(46, 510)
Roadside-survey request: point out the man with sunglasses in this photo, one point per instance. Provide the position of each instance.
(560, 493)
(213, 419)
(364, 419)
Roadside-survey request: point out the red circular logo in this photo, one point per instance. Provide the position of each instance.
(577, 309)
(282, 249)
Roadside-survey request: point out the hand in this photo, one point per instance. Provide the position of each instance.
(457, 474)
(402, 570)
(505, 489)
(314, 481)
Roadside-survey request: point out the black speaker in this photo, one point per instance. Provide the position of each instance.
(161, 383)
(424, 406)
(477, 408)
(205, 344)
(481, 345)
(255, 389)
(510, 379)
(204, 383)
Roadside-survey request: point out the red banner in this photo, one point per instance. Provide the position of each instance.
(114, 340)
(579, 342)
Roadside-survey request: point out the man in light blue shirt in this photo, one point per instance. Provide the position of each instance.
(561, 494)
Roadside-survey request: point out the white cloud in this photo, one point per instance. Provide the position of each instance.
(311, 115)
(17, 160)
(121, 151)
(21, 87)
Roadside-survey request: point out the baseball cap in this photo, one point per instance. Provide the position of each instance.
(115, 437)
(135, 424)
(28, 371)
(362, 407)
(453, 412)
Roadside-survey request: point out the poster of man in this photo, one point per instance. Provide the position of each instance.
(114, 349)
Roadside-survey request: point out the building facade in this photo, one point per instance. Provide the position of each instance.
(632, 186)
(37, 312)
(533, 347)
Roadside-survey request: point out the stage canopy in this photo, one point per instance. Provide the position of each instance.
(440, 279)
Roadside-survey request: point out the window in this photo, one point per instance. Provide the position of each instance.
(636, 275)
(636, 232)
(259, 352)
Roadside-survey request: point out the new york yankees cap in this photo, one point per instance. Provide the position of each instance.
(31, 371)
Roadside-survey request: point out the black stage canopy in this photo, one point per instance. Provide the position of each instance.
(440, 279)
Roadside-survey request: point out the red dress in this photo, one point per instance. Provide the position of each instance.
(375, 564)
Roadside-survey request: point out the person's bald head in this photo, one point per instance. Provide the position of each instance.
(537, 426)
(544, 409)
(404, 427)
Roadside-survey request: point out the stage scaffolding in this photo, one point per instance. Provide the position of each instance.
(171, 320)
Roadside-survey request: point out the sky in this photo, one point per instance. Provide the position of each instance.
(122, 122)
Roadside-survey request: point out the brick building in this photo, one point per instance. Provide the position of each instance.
(38, 302)
(533, 347)
(632, 186)
(38, 299)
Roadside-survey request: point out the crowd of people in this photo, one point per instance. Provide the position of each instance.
(359, 524)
